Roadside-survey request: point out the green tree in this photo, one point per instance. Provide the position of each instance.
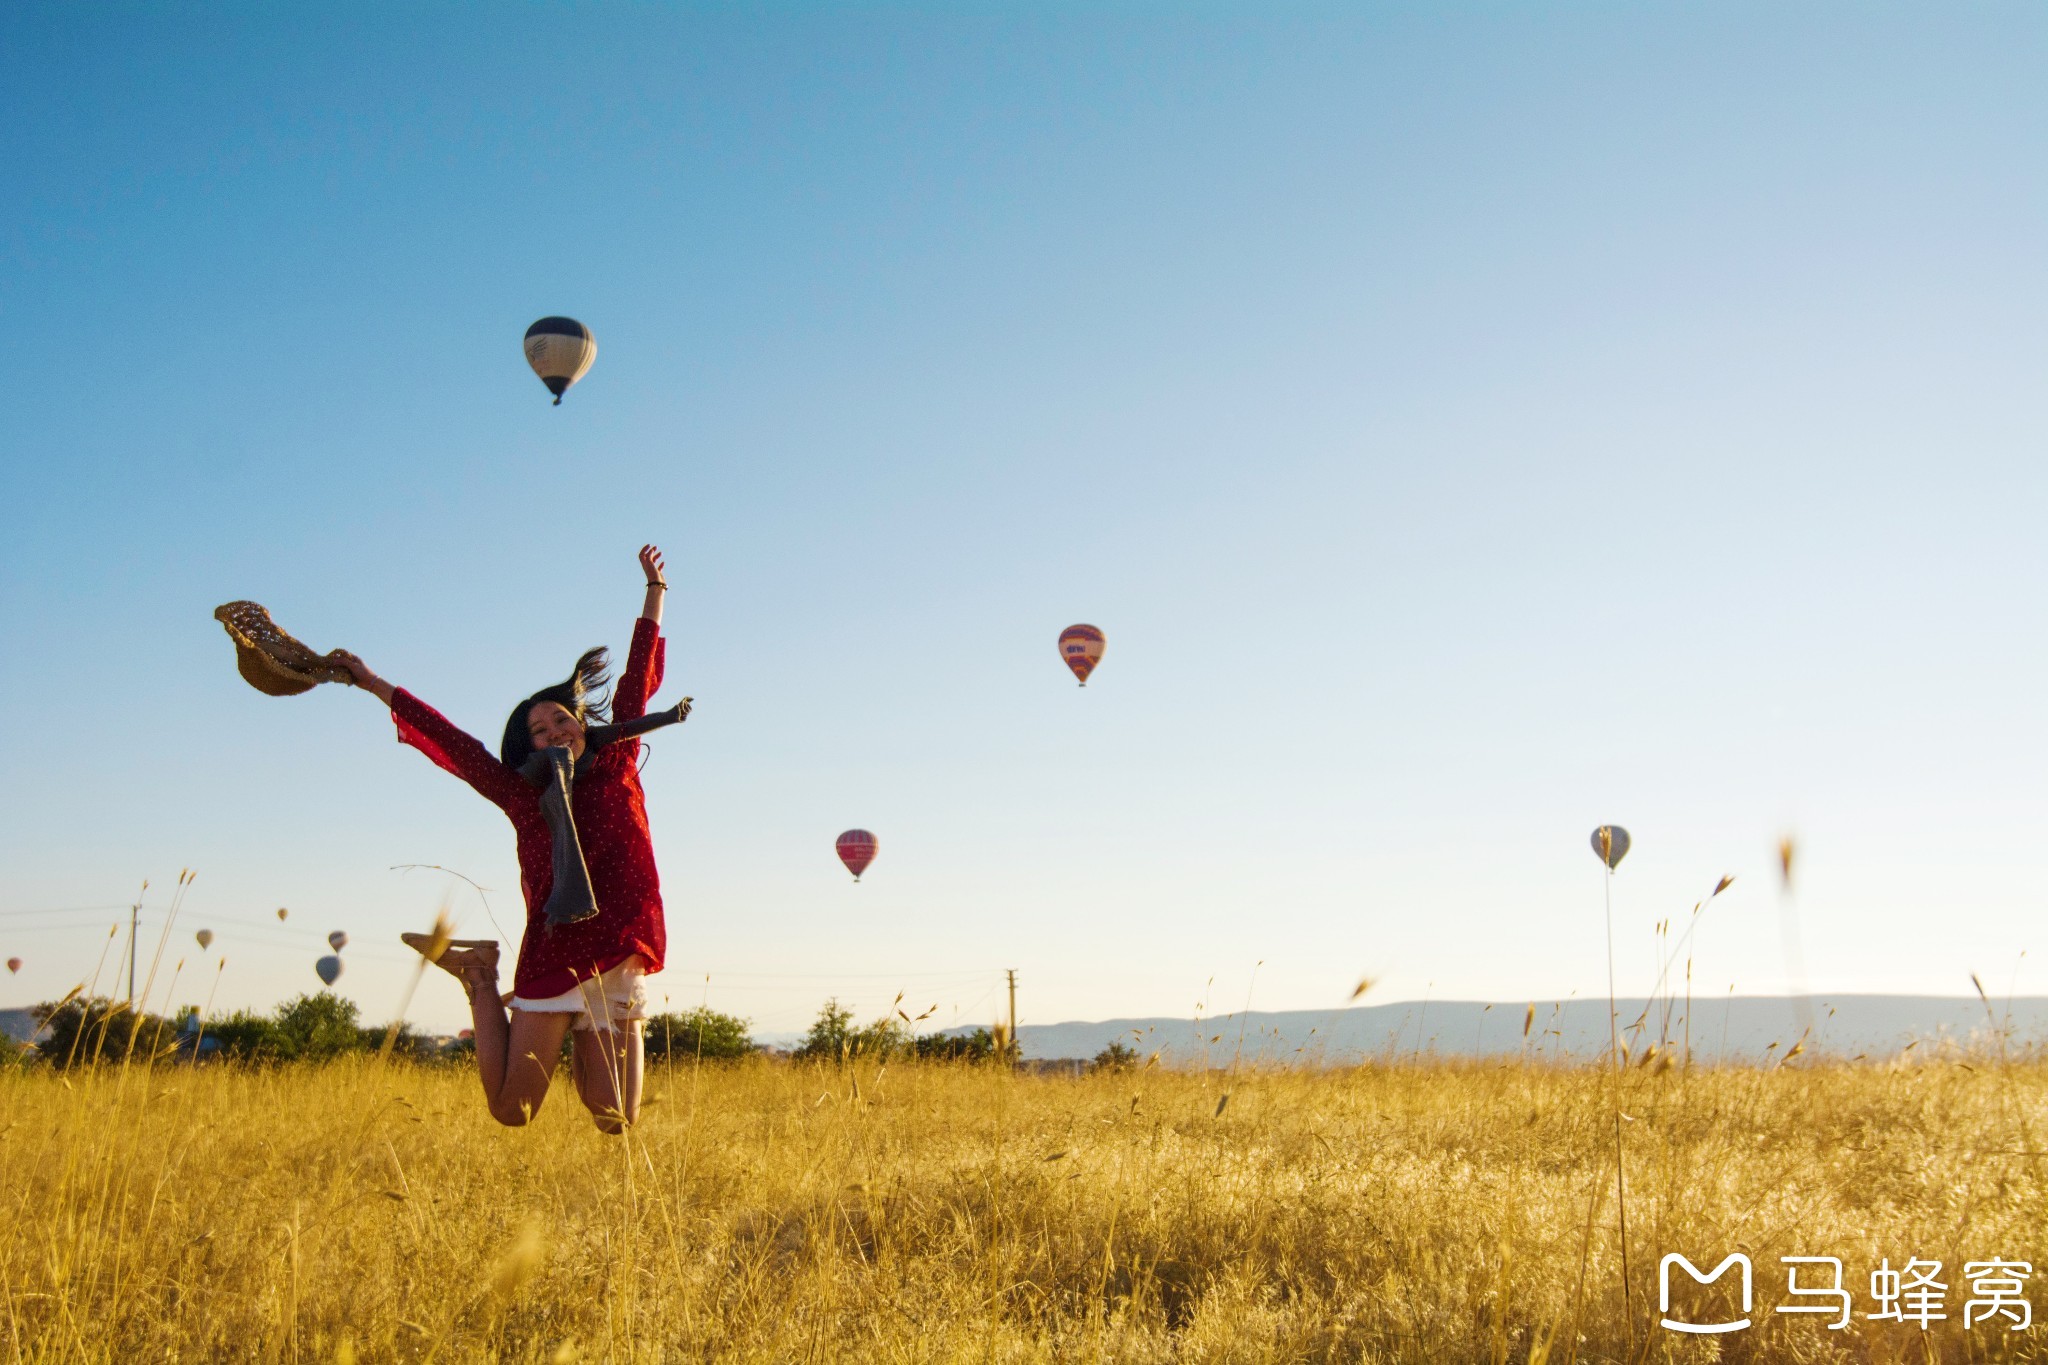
(73, 1032)
(700, 1032)
(312, 1028)
(831, 1033)
(833, 1037)
(1118, 1056)
(407, 1042)
(245, 1036)
(885, 1037)
(977, 1046)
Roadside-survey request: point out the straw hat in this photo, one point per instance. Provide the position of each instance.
(271, 661)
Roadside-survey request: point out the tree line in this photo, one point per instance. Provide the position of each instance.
(322, 1026)
(315, 1027)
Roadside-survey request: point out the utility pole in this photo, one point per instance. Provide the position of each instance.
(1012, 974)
(133, 912)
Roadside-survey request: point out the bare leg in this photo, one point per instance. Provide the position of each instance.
(608, 1067)
(515, 1057)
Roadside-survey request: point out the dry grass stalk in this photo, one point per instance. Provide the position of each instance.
(1386, 1213)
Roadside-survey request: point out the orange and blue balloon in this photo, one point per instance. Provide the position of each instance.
(1081, 648)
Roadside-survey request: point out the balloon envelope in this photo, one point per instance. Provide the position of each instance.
(282, 912)
(857, 849)
(329, 969)
(1610, 845)
(205, 937)
(13, 965)
(337, 940)
(1081, 648)
(560, 351)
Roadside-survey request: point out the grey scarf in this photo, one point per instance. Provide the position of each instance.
(553, 771)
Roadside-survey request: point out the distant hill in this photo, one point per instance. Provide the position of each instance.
(1741, 1029)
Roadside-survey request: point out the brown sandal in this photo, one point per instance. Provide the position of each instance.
(458, 955)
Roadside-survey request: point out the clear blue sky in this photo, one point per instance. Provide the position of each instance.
(1469, 424)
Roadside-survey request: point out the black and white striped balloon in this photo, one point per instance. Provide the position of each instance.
(560, 351)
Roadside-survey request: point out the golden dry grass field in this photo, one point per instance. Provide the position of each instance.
(790, 1212)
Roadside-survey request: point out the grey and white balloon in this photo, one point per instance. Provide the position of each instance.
(1610, 845)
(560, 351)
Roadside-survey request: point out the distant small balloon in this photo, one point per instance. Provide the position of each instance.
(1610, 845)
(329, 969)
(560, 351)
(337, 940)
(13, 965)
(205, 937)
(857, 848)
(282, 912)
(1081, 648)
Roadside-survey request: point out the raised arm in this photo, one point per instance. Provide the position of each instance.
(434, 735)
(642, 675)
(657, 582)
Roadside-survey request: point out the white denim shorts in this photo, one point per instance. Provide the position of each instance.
(616, 998)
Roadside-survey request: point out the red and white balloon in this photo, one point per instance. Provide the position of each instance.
(857, 849)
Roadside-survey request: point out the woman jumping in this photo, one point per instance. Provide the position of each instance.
(580, 964)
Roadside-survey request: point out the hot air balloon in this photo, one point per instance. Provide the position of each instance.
(560, 351)
(1081, 648)
(205, 937)
(337, 940)
(282, 912)
(1610, 845)
(857, 849)
(329, 969)
(13, 965)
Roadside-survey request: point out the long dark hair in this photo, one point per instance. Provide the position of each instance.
(592, 671)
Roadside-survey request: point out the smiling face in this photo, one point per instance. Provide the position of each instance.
(549, 725)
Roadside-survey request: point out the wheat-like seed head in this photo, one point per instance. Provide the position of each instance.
(519, 1261)
(444, 931)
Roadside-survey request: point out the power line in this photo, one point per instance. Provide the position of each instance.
(66, 910)
(976, 972)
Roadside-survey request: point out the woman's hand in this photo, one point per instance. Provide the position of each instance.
(657, 582)
(650, 564)
(360, 675)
